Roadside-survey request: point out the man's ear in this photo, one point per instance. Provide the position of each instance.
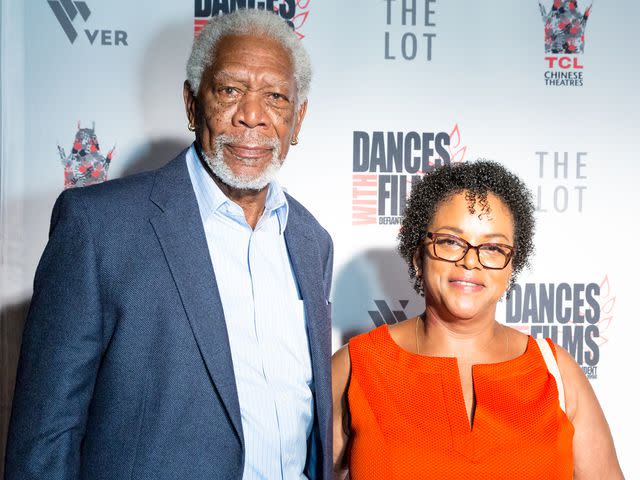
(190, 101)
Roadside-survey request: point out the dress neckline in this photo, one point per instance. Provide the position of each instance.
(521, 364)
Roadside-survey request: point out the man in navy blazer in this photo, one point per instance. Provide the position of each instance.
(180, 322)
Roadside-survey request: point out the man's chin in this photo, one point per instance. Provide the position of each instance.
(246, 180)
(247, 167)
(243, 173)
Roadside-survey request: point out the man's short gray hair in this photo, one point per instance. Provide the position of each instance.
(249, 22)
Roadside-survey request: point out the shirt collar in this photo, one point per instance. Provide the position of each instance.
(211, 199)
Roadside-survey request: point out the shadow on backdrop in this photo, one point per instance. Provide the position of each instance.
(153, 154)
(371, 289)
(12, 319)
(26, 237)
(161, 76)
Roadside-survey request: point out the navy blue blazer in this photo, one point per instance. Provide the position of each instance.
(125, 370)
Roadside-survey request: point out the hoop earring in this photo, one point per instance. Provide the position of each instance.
(294, 141)
(191, 127)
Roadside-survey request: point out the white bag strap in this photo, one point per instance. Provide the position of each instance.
(552, 366)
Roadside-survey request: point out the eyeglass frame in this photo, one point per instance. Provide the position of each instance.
(511, 250)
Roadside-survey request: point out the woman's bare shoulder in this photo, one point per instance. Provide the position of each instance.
(518, 342)
(341, 357)
(404, 333)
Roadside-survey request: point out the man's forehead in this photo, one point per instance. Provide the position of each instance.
(240, 57)
(249, 43)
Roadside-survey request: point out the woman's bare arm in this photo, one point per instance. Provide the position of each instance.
(340, 373)
(594, 455)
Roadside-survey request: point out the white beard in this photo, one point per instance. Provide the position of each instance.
(244, 182)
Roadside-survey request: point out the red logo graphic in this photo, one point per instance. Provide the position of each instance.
(564, 27)
(85, 165)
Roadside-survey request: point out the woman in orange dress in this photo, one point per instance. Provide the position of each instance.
(453, 394)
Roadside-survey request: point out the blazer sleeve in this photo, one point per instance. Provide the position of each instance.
(328, 267)
(60, 354)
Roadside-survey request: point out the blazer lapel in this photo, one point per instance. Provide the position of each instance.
(181, 234)
(308, 268)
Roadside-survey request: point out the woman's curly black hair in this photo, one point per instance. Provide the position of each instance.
(476, 179)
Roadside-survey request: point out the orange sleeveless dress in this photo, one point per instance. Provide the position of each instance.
(409, 422)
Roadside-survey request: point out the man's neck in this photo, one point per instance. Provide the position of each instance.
(252, 202)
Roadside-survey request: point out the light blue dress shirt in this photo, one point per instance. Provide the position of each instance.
(266, 325)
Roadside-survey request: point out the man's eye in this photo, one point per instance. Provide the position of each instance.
(278, 96)
(227, 90)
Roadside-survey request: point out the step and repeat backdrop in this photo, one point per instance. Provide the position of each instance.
(400, 87)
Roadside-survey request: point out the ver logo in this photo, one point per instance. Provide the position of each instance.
(384, 314)
(67, 10)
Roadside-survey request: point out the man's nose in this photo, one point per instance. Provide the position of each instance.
(251, 111)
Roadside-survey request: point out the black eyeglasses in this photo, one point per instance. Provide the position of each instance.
(494, 256)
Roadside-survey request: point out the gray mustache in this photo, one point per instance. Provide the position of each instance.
(253, 139)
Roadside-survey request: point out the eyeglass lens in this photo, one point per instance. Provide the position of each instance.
(454, 249)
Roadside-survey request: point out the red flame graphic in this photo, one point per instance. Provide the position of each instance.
(455, 142)
(298, 22)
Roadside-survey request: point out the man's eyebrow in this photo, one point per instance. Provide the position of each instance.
(224, 75)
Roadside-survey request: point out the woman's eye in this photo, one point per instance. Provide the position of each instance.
(447, 242)
(492, 249)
